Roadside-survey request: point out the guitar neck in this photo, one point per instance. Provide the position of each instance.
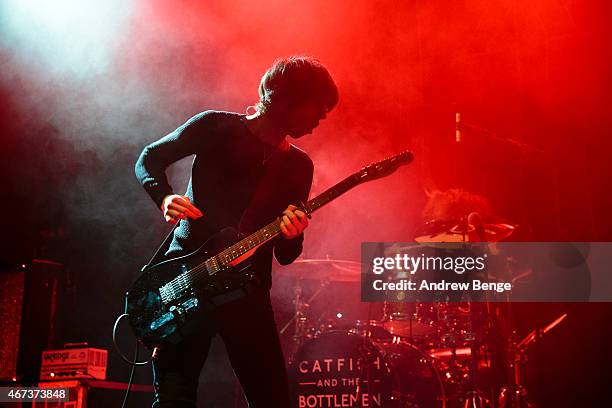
(373, 171)
(332, 193)
(271, 230)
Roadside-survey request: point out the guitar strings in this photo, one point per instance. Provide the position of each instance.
(195, 275)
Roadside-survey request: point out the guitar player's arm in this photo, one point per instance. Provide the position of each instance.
(287, 250)
(155, 158)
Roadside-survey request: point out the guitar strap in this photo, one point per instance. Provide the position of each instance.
(161, 249)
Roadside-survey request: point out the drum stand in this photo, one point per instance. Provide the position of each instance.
(514, 395)
(475, 398)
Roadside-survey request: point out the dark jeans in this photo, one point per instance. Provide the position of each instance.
(249, 332)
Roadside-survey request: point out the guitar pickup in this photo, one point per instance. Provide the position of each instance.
(175, 311)
(190, 304)
(160, 321)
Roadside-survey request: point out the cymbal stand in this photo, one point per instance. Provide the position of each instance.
(300, 317)
(475, 398)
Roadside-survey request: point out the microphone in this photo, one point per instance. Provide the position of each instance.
(458, 127)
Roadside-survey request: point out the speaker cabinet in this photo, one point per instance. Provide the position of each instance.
(29, 316)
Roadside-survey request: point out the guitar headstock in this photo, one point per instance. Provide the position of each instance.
(385, 167)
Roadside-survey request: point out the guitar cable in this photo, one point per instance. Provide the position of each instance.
(134, 361)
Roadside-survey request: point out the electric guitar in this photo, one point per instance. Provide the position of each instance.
(171, 298)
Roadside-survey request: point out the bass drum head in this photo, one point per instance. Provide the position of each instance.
(344, 369)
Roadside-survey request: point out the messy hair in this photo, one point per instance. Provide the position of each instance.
(294, 80)
(453, 204)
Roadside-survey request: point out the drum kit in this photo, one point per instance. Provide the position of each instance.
(348, 353)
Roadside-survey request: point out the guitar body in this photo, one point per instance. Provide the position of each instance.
(165, 304)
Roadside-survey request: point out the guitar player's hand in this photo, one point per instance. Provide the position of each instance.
(293, 222)
(177, 207)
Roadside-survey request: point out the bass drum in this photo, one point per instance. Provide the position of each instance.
(345, 369)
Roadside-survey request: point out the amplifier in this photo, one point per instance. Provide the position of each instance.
(97, 394)
(85, 362)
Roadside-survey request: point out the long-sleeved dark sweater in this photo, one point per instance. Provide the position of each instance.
(234, 181)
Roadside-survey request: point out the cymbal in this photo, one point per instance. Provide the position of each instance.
(455, 231)
(335, 270)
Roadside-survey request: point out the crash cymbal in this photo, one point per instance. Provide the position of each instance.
(335, 270)
(456, 231)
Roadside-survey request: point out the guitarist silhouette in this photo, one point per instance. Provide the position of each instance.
(245, 174)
